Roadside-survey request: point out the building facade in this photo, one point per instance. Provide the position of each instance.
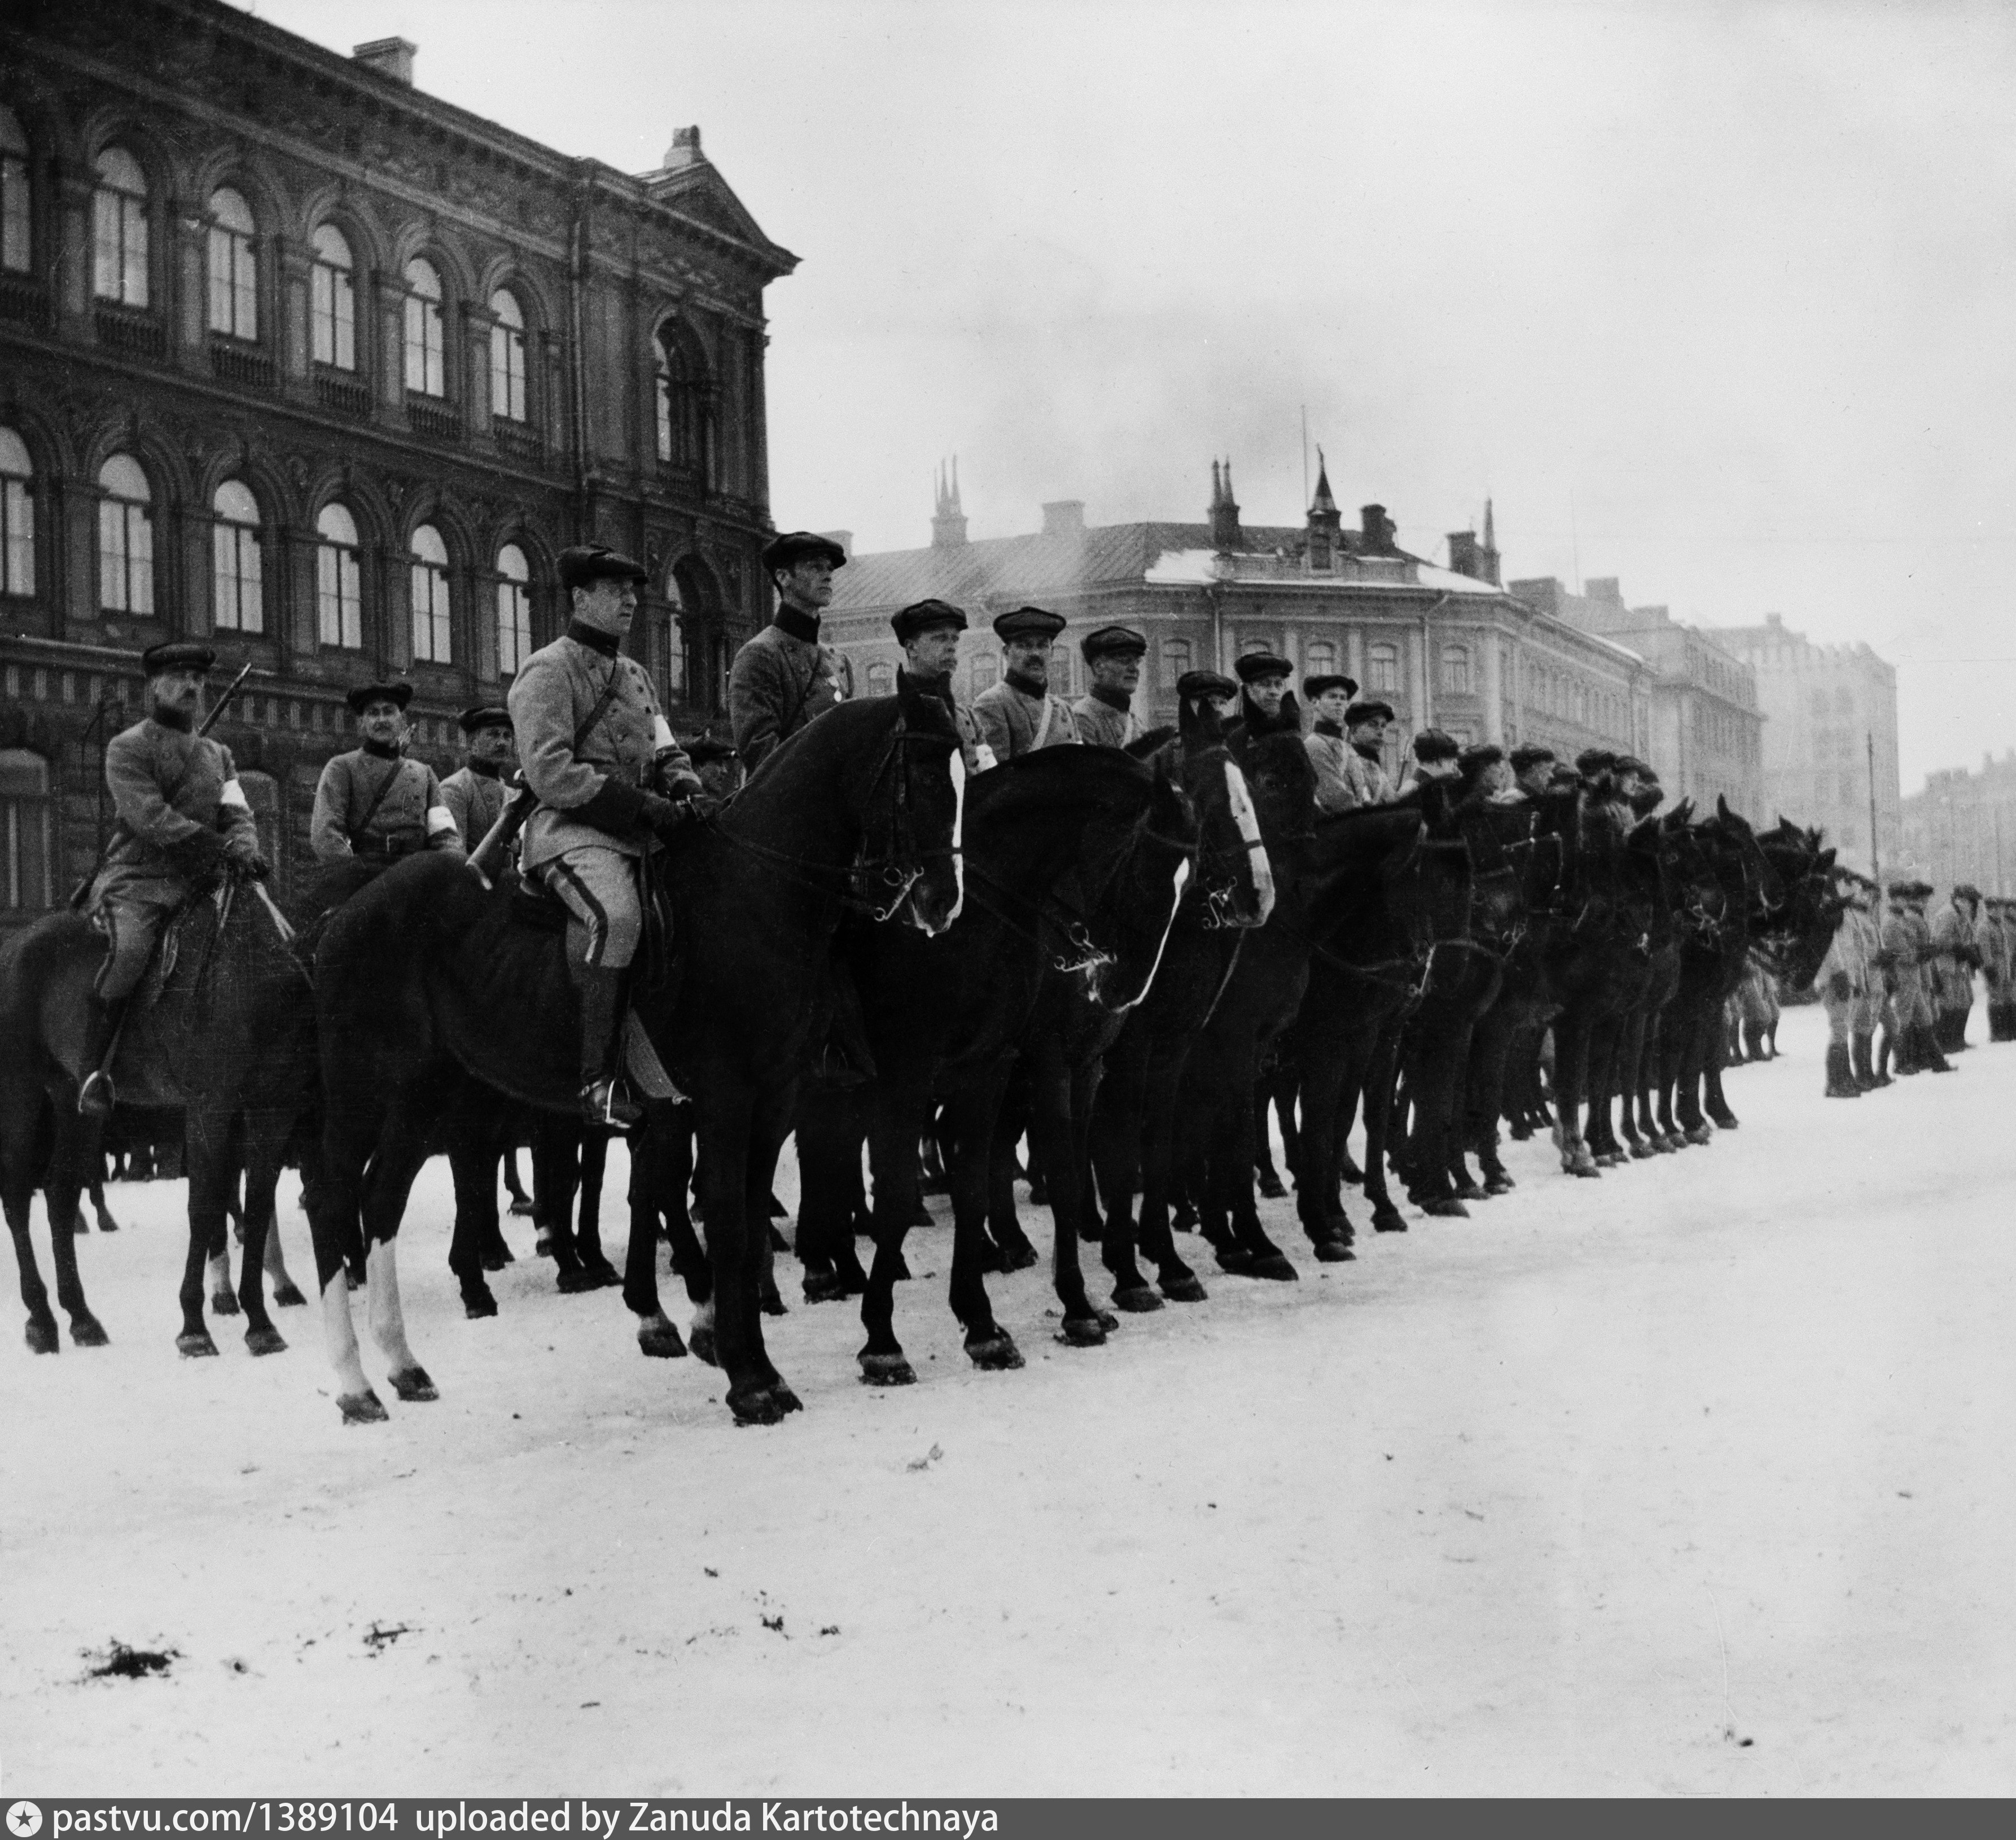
(1448, 647)
(300, 361)
(1706, 741)
(1830, 737)
(1962, 827)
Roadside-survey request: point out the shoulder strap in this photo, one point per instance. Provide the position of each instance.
(377, 799)
(601, 703)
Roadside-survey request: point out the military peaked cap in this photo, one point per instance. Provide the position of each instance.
(1255, 665)
(1432, 744)
(1206, 683)
(1028, 623)
(1372, 709)
(706, 748)
(1485, 753)
(923, 616)
(485, 715)
(1112, 642)
(1530, 754)
(400, 693)
(1313, 687)
(586, 563)
(793, 547)
(178, 655)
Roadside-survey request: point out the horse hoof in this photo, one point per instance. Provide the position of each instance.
(755, 1405)
(825, 1286)
(1348, 1171)
(42, 1338)
(413, 1386)
(288, 1297)
(660, 1340)
(771, 1303)
(1722, 1121)
(1334, 1252)
(1083, 1332)
(542, 1247)
(1498, 1184)
(363, 1408)
(996, 1353)
(194, 1345)
(587, 1277)
(1640, 1151)
(1469, 1191)
(1186, 1289)
(1274, 1265)
(267, 1340)
(784, 1399)
(702, 1344)
(886, 1370)
(1698, 1134)
(224, 1303)
(1136, 1299)
(1446, 1207)
(1235, 1260)
(1271, 1188)
(1017, 1256)
(477, 1305)
(1388, 1220)
(496, 1258)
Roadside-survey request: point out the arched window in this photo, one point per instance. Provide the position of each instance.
(514, 610)
(426, 371)
(1175, 661)
(125, 538)
(507, 358)
(17, 517)
(431, 641)
(25, 867)
(339, 601)
(234, 272)
(1382, 668)
(238, 604)
(119, 229)
(682, 403)
(1456, 670)
(881, 678)
(333, 303)
(14, 218)
(1319, 659)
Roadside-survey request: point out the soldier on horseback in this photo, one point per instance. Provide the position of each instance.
(1532, 768)
(475, 794)
(1020, 714)
(1329, 747)
(1266, 705)
(928, 632)
(600, 758)
(182, 819)
(373, 805)
(1364, 767)
(1437, 756)
(1197, 690)
(782, 678)
(1105, 713)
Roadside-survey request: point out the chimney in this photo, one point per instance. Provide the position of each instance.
(948, 520)
(1604, 589)
(1543, 592)
(1376, 530)
(1224, 509)
(1467, 556)
(1064, 517)
(389, 57)
(685, 149)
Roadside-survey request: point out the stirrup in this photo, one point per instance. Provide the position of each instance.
(97, 1096)
(604, 1102)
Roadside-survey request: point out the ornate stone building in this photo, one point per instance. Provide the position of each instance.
(1706, 740)
(299, 360)
(1829, 737)
(1448, 647)
(1962, 827)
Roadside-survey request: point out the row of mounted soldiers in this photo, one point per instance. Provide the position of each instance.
(1898, 986)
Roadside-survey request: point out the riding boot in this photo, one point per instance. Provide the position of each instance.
(1841, 1083)
(1864, 1069)
(97, 1096)
(602, 1101)
(1930, 1057)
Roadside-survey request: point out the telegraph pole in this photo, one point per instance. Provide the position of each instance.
(1875, 852)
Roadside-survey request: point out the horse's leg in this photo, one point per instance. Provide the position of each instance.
(1115, 1144)
(1050, 1079)
(1714, 1104)
(972, 1115)
(402, 1151)
(20, 1201)
(588, 1218)
(769, 1125)
(209, 1158)
(262, 1143)
(1318, 1196)
(1231, 1173)
(472, 1157)
(75, 1148)
(1376, 1091)
(728, 1123)
(896, 1116)
(652, 1174)
(287, 1292)
(1161, 1085)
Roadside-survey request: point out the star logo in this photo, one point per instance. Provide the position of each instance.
(24, 1821)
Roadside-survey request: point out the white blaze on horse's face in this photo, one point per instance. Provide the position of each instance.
(1243, 816)
(1162, 946)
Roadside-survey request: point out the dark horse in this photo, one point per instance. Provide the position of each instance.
(228, 1040)
(426, 980)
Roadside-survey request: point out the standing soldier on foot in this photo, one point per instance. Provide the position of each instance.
(182, 819)
(1957, 957)
(1020, 714)
(782, 678)
(372, 805)
(601, 760)
(1105, 713)
(1844, 980)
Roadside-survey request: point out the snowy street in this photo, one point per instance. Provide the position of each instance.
(1695, 1480)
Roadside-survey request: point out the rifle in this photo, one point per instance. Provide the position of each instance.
(488, 856)
(81, 893)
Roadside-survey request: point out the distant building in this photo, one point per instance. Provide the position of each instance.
(1962, 827)
(1830, 723)
(1448, 647)
(303, 361)
(1707, 729)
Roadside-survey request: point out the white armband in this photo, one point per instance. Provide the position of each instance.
(661, 734)
(440, 818)
(234, 794)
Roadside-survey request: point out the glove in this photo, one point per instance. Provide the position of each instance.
(243, 854)
(662, 818)
(197, 857)
(701, 806)
(677, 785)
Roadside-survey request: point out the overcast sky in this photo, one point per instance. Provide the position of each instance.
(1713, 298)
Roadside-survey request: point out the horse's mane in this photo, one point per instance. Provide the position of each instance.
(1142, 746)
(1041, 777)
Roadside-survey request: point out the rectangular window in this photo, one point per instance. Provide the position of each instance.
(431, 644)
(507, 372)
(339, 604)
(14, 213)
(334, 314)
(514, 627)
(1382, 668)
(235, 578)
(1456, 670)
(17, 538)
(119, 247)
(1175, 661)
(425, 374)
(234, 288)
(125, 558)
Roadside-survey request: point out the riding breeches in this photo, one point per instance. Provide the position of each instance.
(599, 889)
(132, 926)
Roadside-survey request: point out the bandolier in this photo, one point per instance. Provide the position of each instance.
(1105, 714)
(373, 803)
(475, 793)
